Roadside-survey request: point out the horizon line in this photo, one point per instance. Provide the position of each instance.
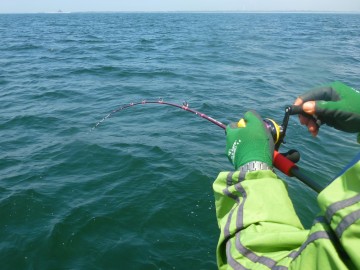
(186, 11)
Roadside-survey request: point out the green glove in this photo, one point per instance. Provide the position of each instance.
(337, 105)
(250, 143)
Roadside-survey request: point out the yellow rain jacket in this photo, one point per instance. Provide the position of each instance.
(260, 229)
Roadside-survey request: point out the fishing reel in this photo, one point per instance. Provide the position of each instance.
(278, 133)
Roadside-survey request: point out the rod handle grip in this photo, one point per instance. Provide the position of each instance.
(283, 164)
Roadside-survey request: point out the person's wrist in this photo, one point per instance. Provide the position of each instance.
(243, 158)
(254, 166)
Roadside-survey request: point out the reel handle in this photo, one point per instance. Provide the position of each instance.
(297, 109)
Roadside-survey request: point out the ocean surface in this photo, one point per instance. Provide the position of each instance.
(136, 192)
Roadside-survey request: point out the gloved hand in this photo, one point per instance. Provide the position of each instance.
(250, 143)
(336, 105)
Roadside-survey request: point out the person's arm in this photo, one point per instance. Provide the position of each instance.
(340, 205)
(258, 223)
(256, 217)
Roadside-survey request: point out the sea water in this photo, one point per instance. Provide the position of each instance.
(136, 192)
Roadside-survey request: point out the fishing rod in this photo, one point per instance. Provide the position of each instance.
(284, 162)
(184, 106)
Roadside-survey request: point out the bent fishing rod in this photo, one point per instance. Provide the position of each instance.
(284, 162)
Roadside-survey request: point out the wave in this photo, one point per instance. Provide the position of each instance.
(31, 122)
(123, 73)
(24, 47)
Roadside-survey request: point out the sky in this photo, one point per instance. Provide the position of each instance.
(29, 6)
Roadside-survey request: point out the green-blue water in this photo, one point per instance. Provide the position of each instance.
(135, 193)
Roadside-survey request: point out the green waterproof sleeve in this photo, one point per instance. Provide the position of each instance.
(260, 229)
(258, 223)
(340, 205)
